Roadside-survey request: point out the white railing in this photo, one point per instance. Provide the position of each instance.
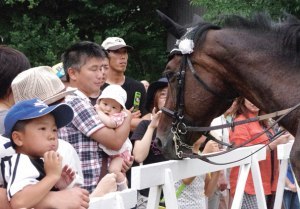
(161, 176)
(283, 151)
(115, 200)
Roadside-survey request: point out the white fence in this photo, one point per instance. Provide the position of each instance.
(115, 200)
(283, 151)
(161, 176)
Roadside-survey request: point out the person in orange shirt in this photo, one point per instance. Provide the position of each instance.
(269, 167)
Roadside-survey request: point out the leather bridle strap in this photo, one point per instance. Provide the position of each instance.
(204, 85)
(211, 137)
(180, 92)
(287, 111)
(205, 157)
(236, 123)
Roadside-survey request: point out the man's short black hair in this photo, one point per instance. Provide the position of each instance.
(75, 56)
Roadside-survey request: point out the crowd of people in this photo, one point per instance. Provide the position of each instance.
(73, 131)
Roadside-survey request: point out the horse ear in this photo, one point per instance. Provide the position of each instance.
(172, 27)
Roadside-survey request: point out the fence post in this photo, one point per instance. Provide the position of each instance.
(169, 190)
(259, 190)
(283, 151)
(154, 197)
(240, 186)
(165, 174)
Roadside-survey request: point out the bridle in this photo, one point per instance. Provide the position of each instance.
(178, 124)
(180, 128)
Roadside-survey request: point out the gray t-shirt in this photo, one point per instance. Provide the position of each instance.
(2, 116)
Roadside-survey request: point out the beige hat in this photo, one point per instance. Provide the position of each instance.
(41, 83)
(114, 43)
(115, 92)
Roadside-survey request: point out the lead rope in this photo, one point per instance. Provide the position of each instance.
(204, 158)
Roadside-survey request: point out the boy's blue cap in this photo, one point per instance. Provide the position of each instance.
(35, 108)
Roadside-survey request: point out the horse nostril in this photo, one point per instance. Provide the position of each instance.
(157, 141)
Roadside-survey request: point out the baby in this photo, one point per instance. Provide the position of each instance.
(111, 108)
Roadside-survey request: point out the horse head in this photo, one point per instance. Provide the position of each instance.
(196, 95)
(256, 58)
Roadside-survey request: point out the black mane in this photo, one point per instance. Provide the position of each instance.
(198, 33)
(258, 21)
(285, 32)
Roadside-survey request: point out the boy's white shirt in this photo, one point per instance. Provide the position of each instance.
(65, 149)
(71, 158)
(5, 152)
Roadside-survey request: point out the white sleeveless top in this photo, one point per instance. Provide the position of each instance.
(192, 196)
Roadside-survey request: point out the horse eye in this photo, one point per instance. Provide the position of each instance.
(169, 75)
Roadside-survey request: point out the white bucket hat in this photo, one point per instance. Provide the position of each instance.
(114, 43)
(41, 83)
(115, 92)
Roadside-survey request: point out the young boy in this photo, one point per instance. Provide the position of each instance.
(111, 108)
(36, 168)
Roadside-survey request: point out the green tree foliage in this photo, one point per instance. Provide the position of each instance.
(215, 9)
(42, 29)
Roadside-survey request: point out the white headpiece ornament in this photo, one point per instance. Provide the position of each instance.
(186, 46)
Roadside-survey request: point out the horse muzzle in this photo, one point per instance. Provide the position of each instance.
(167, 148)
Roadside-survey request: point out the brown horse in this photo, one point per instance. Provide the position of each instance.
(255, 58)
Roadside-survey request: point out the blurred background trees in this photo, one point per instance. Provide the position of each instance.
(42, 29)
(215, 9)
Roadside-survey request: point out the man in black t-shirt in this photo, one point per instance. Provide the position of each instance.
(136, 93)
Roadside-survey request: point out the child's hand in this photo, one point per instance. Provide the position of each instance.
(155, 118)
(126, 165)
(53, 164)
(222, 182)
(97, 108)
(131, 115)
(135, 114)
(283, 139)
(210, 147)
(67, 176)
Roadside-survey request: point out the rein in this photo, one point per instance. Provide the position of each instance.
(204, 158)
(180, 128)
(236, 123)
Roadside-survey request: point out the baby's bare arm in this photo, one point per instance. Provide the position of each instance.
(107, 120)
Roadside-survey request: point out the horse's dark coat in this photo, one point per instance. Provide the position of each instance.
(257, 58)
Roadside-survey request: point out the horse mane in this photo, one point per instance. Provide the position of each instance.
(260, 21)
(198, 32)
(286, 31)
